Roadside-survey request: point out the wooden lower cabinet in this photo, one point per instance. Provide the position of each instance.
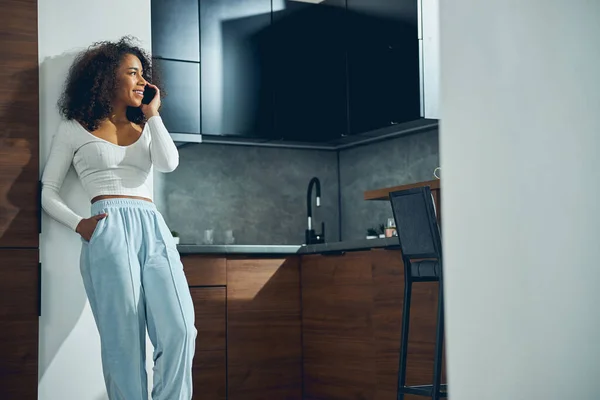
(352, 317)
(206, 277)
(210, 361)
(249, 327)
(264, 348)
(19, 307)
(314, 327)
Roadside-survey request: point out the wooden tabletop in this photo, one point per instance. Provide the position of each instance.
(383, 194)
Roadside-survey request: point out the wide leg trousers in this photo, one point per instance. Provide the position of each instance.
(134, 281)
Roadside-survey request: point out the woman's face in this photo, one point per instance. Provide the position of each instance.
(130, 82)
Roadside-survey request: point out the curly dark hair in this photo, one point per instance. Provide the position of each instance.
(92, 80)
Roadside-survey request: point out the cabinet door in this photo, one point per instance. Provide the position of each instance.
(19, 125)
(337, 327)
(181, 107)
(209, 368)
(19, 307)
(264, 351)
(175, 29)
(383, 64)
(309, 49)
(351, 324)
(236, 100)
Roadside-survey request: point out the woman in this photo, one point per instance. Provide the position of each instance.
(130, 266)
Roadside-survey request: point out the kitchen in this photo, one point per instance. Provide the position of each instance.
(240, 199)
(265, 134)
(284, 114)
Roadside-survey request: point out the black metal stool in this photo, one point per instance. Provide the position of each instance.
(420, 243)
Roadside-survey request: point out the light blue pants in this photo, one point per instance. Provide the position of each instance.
(134, 280)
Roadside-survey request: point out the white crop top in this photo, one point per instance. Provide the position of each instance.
(104, 168)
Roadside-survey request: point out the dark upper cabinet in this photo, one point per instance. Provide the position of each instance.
(404, 11)
(180, 108)
(309, 71)
(175, 29)
(304, 71)
(383, 64)
(236, 98)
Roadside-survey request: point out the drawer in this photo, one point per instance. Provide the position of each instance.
(201, 270)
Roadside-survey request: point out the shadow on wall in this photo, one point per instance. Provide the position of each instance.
(69, 344)
(63, 295)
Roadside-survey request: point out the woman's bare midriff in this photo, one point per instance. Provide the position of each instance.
(118, 196)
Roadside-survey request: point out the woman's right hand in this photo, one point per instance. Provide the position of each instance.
(87, 226)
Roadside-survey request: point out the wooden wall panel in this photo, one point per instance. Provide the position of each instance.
(19, 305)
(19, 124)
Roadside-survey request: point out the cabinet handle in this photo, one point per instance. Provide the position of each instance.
(333, 253)
(39, 299)
(39, 207)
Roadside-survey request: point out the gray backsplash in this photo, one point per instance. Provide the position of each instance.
(398, 161)
(258, 192)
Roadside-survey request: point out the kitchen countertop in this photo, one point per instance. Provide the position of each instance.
(331, 247)
(236, 249)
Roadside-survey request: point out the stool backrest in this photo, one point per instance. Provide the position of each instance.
(417, 227)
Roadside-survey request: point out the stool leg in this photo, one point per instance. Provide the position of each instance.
(404, 334)
(439, 345)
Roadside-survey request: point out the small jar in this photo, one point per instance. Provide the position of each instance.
(390, 229)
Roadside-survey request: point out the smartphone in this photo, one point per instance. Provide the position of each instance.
(149, 93)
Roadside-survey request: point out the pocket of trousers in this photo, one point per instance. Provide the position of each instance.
(99, 227)
(166, 232)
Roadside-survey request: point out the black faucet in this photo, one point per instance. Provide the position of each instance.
(311, 236)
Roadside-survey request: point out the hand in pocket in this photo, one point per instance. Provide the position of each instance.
(87, 226)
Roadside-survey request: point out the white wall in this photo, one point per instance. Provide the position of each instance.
(429, 57)
(520, 144)
(69, 344)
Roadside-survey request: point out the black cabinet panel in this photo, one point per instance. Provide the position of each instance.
(236, 96)
(181, 107)
(310, 102)
(335, 3)
(175, 29)
(307, 72)
(383, 64)
(399, 10)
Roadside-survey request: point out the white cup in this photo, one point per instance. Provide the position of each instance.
(229, 239)
(209, 237)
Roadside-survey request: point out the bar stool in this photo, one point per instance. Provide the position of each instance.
(420, 243)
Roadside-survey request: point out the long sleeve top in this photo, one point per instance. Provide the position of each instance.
(104, 168)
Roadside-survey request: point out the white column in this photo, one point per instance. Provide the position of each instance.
(520, 154)
(69, 350)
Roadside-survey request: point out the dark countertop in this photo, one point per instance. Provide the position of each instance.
(236, 249)
(332, 247)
